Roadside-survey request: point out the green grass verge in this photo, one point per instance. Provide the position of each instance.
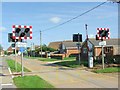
(31, 82)
(11, 64)
(31, 57)
(72, 64)
(69, 58)
(47, 59)
(108, 70)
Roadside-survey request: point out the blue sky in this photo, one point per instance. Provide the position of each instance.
(42, 15)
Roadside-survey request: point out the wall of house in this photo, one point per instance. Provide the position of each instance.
(71, 51)
(97, 51)
(116, 50)
(108, 51)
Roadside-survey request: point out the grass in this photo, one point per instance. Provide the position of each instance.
(31, 57)
(31, 82)
(47, 59)
(108, 70)
(69, 58)
(50, 59)
(11, 64)
(72, 64)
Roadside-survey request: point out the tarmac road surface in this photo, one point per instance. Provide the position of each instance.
(62, 77)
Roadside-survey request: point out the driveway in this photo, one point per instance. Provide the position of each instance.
(62, 77)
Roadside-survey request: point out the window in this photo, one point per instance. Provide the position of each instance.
(84, 50)
(108, 49)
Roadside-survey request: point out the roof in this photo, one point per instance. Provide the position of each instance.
(10, 49)
(54, 45)
(112, 41)
(70, 44)
(67, 43)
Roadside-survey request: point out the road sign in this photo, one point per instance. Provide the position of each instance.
(22, 49)
(21, 44)
(102, 43)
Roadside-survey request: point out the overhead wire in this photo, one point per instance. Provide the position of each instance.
(73, 18)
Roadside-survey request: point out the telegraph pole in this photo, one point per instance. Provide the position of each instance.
(41, 43)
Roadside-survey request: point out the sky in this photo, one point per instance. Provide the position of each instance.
(43, 15)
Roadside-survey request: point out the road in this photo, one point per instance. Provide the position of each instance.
(5, 76)
(62, 77)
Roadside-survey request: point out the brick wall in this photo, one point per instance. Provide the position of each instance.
(71, 52)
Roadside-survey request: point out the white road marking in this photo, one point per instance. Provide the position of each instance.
(8, 84)
(10, 72)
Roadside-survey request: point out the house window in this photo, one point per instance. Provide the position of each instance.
(108, 49)
(84, 50)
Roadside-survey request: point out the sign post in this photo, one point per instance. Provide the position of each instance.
(103, 57)
(22, 49)
(21, 32)
(102, 43)
(102, 33)
(78, 38)
(22, 72)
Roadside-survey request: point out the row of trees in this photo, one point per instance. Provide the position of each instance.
(35, 52)
(45, 48)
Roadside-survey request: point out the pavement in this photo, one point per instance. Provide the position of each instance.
(63, 77)
(5, 76)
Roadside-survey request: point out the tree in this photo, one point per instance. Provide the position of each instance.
(1, 48)
(45, 48)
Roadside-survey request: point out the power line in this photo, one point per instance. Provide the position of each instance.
(74, 17)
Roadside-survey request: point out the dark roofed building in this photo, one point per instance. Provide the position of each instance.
(54, 45)
(65, 47)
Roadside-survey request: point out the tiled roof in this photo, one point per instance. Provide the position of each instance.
(54, 45)
(68, 43)
(112, 41)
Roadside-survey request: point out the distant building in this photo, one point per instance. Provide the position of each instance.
(65, 47)
(10, 50)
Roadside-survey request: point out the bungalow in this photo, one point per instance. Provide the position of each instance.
(65, 47)
(91, 46)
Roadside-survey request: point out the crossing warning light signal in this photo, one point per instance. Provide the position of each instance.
(11, 39)
(103, 33)
(22, 32)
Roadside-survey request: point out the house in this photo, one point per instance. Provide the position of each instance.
(91, 46)
(2, 52)
(10, 50)
(65, 47)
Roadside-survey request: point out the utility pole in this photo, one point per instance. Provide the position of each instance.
(41, 43)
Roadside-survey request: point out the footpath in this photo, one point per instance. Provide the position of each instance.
(5, 75)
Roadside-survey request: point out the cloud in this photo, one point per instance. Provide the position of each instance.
(2, 28)
(91, 36)
(55, 19)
